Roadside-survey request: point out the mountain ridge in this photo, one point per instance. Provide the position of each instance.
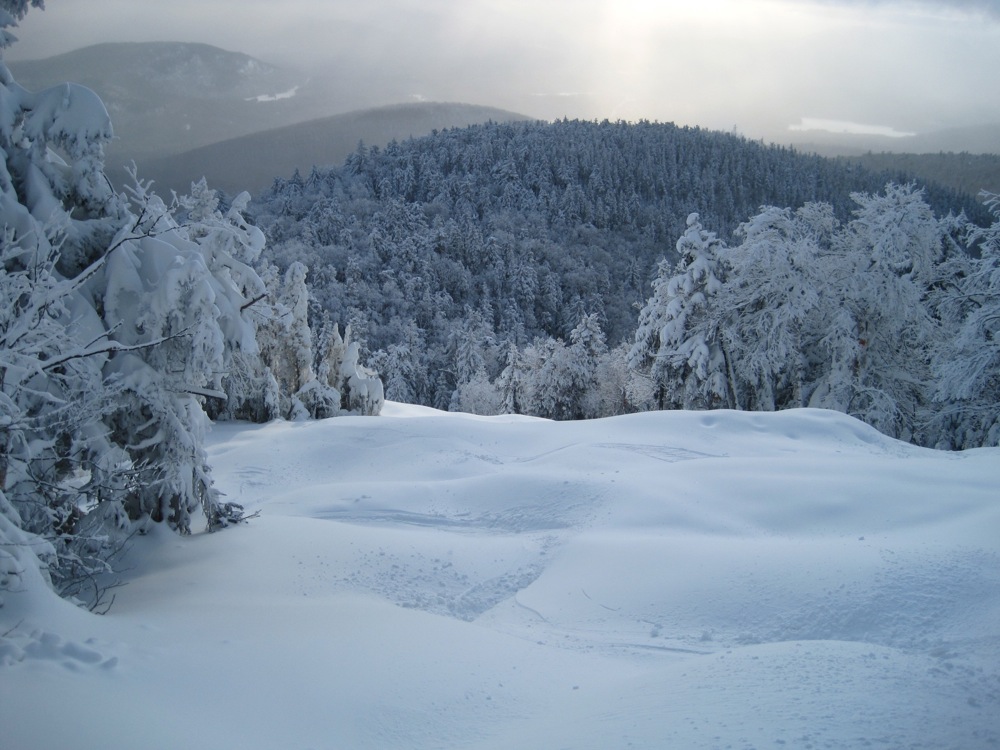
(978, 140)
(321, 142)
(174, 105)
(168, 97)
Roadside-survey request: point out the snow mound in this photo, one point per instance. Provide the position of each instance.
(422, 579)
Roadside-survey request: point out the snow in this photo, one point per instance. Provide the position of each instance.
(275, 97)
(432, 580)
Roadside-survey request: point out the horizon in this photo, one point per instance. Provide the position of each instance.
(890, 68)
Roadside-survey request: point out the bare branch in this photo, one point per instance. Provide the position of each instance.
(252, 302)
(113, 348)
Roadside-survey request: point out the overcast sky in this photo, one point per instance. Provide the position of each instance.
(759, 65)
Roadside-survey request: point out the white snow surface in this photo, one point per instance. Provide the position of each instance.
(432, 580)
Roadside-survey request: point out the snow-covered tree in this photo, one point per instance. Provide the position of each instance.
(510, 383)
(587, 350)
(886, 258)
(472, 346)
(121, 319)
(809, 311)
(55, 214)
(544, 387)
(356, 389)
(767, 306)
(618, 389)
(677, 341)
(53, 448)
(479, 396)
(560, 381)
(966, 363)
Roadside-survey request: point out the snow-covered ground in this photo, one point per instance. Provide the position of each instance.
(429, 580)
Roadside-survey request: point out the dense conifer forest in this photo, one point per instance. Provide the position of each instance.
(503, 267)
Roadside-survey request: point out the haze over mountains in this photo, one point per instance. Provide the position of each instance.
(251, 162)
(183, 111)
(169, 101)
(169, 97)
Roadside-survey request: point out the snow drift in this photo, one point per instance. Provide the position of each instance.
(671, 579)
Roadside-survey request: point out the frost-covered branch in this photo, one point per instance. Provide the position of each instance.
(113, 347)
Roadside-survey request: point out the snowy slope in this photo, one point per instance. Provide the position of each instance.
(429, 580)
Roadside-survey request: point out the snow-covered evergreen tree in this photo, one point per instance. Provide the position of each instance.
(510, 382)
(54, 214)
(587, 350)
(559, 381)
(543, 387)
(356, 389)
(809, 311)
(479, 396)
(677, 341)
(121, 319)
(472, 351)
(767, 305)
(966, 362)
(886, 259)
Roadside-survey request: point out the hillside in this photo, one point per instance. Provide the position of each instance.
(185, 111)
(167, 97)
(443, 251)
(966, 172)
(980, 139)
(252, 162)
(424, 580)
(176, 107)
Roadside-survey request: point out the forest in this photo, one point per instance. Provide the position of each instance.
(580, 269)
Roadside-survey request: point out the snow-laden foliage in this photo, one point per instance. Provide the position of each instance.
(675, 340)
(771, 289)
(966, 363)
(12, 11)
(55, 212)
(124, 322)
(528, 227)
(464, 261)
(885, 317)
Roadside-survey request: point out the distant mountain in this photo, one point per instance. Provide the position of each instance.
(177, 108)
(967, 173)
(980, 139)
(167, 97)
(252, 162)
(182, 111)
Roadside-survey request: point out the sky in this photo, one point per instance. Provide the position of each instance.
(756, 66)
